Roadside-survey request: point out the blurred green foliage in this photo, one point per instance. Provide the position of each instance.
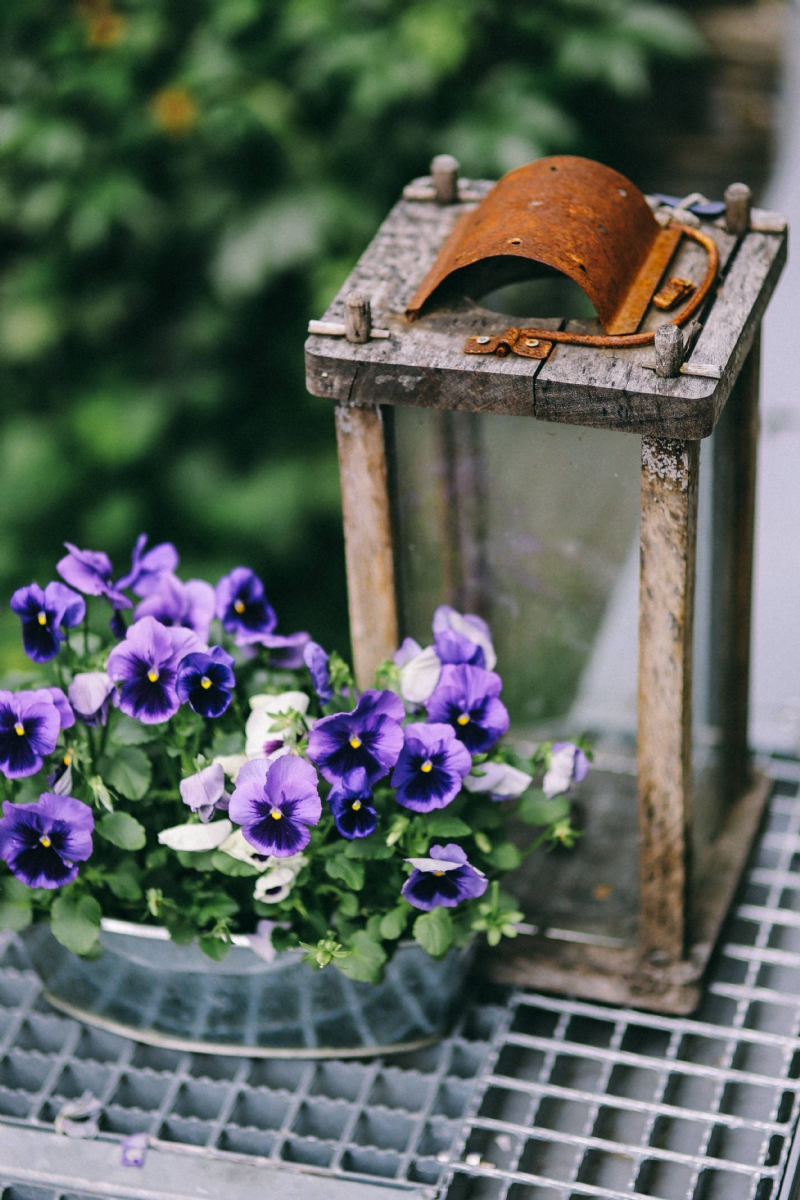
(183, 183)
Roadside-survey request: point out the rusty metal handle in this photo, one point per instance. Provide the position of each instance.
(622, 341)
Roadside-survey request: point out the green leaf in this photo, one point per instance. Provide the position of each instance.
(232, 866)
(394, 923)
(536, 809)
(122, 830)
(127, 731)
(365, 961)
(214, 946)
(351, 873)
(124, 882)
(227, 743)
(196, 860)
(129, 771)
(372, 847)
(16, 910)
(434, 932)
(348, 905)
(181, 930)
(505, 856)
(444, 826)
(76, 922)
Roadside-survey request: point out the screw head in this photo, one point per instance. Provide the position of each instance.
(483, 341)
(532, 342)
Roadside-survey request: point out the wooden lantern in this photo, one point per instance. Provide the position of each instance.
(403, 335)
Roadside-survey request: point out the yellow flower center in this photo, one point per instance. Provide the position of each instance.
(438, 874)
(205, 682)
(356, 805)
(276, 814)
(19, 729)
(463, 719)
(42, 618)
(238, 606)
(427, 766)
(153, 675)
(355, 741)
(68, 757)
(45, 840)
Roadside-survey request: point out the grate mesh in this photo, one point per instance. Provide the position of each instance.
(531, 1098)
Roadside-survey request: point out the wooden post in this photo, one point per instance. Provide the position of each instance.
(367, 539)
(738, 199)
(669, 351)
(735, 453)
(668, 539)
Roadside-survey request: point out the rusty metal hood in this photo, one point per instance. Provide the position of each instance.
(568, 214)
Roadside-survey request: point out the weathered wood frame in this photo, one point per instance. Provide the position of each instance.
(682, 904)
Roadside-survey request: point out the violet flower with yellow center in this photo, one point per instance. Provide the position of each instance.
(431, 767)
(145, 669)
(443, 880)
(370, 737)
(42, 843)
(45, 614)
(275, 803)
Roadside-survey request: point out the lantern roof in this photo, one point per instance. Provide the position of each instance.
(433, 345)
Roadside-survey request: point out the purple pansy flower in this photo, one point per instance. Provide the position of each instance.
(466, 698)
(29, 727)
(462, 638)
(316, 660)
(275, 803)
(90, 572)
(352, 805)
(443, 880)
(206, 681)
(205, 792)
(568, 765)
(430, 768)
(91, 693)
(45, 613)
(287, 651)
(63, 707)
(173, 602)
(370, 737)
(42, 843)
(145, 667)
(242, 606)
(147, 567)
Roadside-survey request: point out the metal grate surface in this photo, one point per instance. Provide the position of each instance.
(531, 1098)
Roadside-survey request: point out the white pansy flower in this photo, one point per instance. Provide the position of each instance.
(419, 676)
(276, 883)
(501, 781)
(568, 765)
(237, 846)
(231, 764)
(196, 837)
(265, 712)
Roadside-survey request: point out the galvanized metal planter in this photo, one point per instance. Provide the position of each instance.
(145, 987)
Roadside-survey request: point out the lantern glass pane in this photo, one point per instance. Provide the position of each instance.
(533, 526)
